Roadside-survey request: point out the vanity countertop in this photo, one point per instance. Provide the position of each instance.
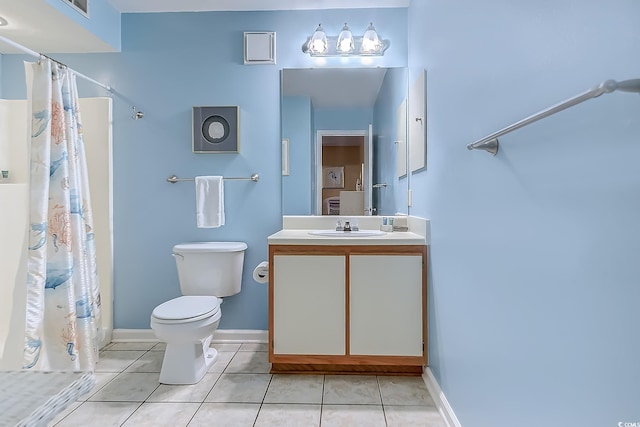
(302, 237)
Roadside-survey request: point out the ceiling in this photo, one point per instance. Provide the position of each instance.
(36, 25)
(132, 6)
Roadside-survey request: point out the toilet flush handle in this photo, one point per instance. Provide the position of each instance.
(173, 254)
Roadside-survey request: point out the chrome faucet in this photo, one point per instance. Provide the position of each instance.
(346, 227)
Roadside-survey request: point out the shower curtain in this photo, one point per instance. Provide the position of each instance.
(63, 301)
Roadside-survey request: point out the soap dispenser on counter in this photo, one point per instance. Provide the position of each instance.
(387, 224)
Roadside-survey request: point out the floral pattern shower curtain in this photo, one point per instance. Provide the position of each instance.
(63, 322)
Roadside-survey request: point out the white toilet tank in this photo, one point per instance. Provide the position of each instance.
(210, 268)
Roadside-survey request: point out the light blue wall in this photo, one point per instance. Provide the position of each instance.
(342, 118)
(534, 279)
(169, 63)
(391, 199)
(103, 20)
(296, 126)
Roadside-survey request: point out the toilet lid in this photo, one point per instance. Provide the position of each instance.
(187, 307)
(196, 247)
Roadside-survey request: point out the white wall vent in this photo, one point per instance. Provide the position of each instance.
(81, 6)
(260, 48)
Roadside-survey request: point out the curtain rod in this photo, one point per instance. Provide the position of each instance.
(41, 55)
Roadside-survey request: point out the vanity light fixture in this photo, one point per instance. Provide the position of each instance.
(3, 22)
(318, 43)
(370, 40)
(345, 40)
(345, 44)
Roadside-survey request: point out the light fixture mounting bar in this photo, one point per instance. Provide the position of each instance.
(345, 44)
(332, 43)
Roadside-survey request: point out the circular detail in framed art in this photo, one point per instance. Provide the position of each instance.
(215, 129)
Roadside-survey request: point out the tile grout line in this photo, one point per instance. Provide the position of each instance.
(384, 412)
(204, 399)
(105, 384)
(145, 399)
(324, 382)
(131, 415)
(263, 397)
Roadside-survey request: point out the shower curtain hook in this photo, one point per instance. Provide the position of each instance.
(137, 114)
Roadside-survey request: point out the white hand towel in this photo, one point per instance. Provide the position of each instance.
(209, 201)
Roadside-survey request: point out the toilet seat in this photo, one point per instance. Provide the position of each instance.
(186, 309)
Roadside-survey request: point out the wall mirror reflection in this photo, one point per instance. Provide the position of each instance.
(347, 134)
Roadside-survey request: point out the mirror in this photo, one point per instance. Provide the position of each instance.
(344, 135)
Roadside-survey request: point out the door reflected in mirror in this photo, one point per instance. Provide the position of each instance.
(347, 133)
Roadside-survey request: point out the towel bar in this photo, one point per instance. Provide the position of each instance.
(254, 177)
(490, 143)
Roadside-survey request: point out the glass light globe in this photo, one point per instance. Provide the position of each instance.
(318, 42)
(345, 40)
(370, 40)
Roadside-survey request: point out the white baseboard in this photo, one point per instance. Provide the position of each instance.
(241, 335)
(107, 334)
(128, 335)
(220, 336)
(439, 398)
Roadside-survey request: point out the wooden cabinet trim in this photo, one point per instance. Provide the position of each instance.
(347, 313)
(348, 360)
(346, 250)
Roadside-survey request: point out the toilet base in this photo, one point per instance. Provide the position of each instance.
(187, 363)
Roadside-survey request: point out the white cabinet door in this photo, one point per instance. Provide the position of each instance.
(386, 305)
(309, 304)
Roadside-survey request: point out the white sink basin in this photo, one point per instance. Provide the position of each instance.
(336, 233)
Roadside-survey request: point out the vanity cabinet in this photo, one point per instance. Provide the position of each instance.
(347, 308)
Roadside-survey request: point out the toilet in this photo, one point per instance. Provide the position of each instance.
(207, 271)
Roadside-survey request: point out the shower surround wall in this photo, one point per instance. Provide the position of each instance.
(14, 208)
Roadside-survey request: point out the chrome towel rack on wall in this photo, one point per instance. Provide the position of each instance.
(490, 142)
(254, 177)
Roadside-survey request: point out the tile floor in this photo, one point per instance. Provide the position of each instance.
(239, 391)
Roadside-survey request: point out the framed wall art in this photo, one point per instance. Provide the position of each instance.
(216, 129)
(333, 177)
